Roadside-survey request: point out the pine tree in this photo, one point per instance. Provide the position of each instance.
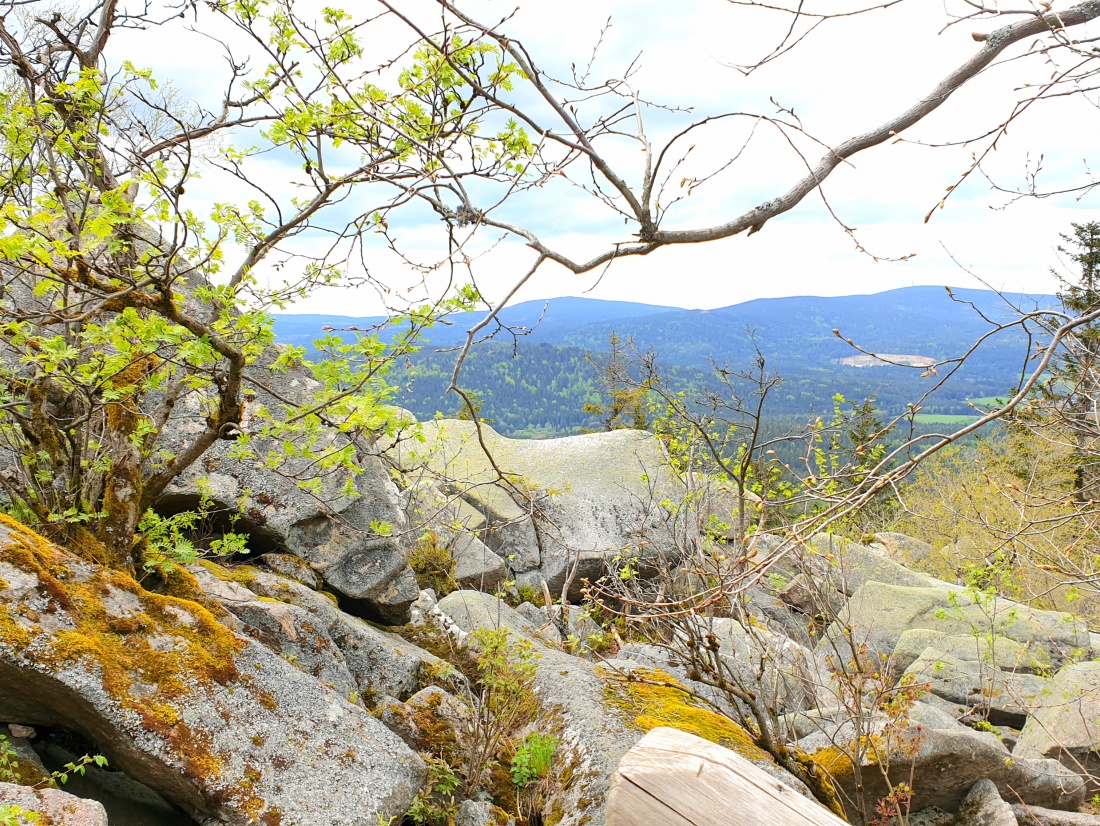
(1076, 389)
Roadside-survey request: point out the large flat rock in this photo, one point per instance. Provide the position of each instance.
(592, 496)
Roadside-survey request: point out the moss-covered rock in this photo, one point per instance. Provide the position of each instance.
(214, 721)
(598, 713)
(879, 613)
(650, 698)
(1066, 724)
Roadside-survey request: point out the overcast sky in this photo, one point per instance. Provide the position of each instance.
(844, 79)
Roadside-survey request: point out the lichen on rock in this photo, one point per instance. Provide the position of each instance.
(212, 720)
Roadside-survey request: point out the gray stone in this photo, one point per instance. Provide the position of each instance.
(768, 664)
(650, 656)
(1001, 697)
(910, 645)
(1009, 736)
(378, 662)
(477, 567)
(531, 612)
(835, 724)
(213, 721)
(762, 603)
(54, 806)
(943, 764)
(805, 592)
(983, 807)
(423, 605)
(292, 567)
(329, 527)
(878, 614)
(580, 499)
(996, 651)
(1066, 726)
(371, 571)
(904, 549)
(292, 633)
(1038, 816)
(853, 565)
(479, 813)
(931, 816)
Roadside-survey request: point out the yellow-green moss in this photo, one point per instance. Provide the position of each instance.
(837, 762)
(120, 655)
(649, 698)
(241, 574)
(434, 734)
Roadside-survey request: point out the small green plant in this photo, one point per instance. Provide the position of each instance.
(434, 805)
(11, 773)
(9, 766)
(17, 816)
(528, 593)
(169, 540)
(533, 758)
(503, 695)
(434, 564)
(599, 642)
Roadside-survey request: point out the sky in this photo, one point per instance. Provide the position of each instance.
(843, 79)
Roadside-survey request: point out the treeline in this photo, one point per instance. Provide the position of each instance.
(540, 390)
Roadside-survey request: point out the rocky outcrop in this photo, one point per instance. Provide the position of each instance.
(943, 764)
(349, 527)
(1066, 725)
(306, 628)
(212, 720)
(983, 806)
(849, 565)
(602, 709)
(586, 498)
(52, 806)
(979, 688)
(878, 613)
(453, 524)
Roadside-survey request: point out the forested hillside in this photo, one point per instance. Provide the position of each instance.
(533, 378)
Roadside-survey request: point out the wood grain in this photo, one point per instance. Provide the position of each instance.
(674, 778)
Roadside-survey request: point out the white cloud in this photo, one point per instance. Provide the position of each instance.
(848, 77)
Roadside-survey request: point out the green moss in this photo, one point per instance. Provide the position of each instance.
(434, 564)
(434, 734)
(837, 762)
(241, 574)
(202, 651)
(649, 698)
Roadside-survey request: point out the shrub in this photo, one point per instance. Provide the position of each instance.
(434, 564)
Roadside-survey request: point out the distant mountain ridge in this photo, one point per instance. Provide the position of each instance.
(545, 317)
(795, 335)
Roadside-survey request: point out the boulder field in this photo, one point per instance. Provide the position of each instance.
(319, 684)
